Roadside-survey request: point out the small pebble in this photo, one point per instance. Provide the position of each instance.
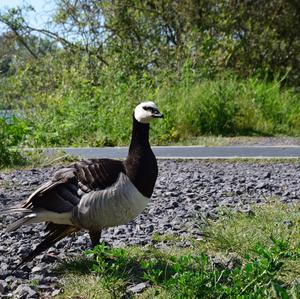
(138, 288)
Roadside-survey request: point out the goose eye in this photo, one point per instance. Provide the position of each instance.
(151, 109)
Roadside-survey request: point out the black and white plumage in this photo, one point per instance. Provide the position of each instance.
(94, 194)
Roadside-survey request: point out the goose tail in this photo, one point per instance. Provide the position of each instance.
(27, 218)
(14, 210)
(24, 220)
(35, 216)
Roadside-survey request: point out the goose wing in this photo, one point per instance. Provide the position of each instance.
(67, 186)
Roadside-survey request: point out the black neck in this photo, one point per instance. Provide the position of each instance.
(140, 136)
(141, 165)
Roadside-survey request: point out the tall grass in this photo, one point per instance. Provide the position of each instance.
(75, 112)
(229, 106)
(83, 114)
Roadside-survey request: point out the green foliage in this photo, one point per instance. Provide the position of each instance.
(257, 38)
(229, 106)
(82, 114)
(223, 74)
(263, 262)
(271, 220)
(193, 275)
(11, 134)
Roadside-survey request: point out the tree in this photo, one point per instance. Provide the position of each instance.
(133, 36)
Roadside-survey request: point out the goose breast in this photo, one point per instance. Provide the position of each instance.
(118, 204)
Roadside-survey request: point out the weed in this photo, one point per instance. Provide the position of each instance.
(267, 268)
(193, 275)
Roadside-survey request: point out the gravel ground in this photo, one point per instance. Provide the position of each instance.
(186, 191)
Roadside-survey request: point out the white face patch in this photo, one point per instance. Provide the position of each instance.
(142, 115)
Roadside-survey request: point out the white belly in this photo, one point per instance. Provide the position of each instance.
(116, 205)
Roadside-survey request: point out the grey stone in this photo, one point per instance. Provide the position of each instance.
(55, 292)
(49, 258)
(138, 288)
(262, 185)
(16, 282)
(23, 249)
(9, 279)
(44, 288)
(174, 205)
(24, 291)
(3, 286)
(36, 269)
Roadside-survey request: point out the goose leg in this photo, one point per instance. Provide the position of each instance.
(95, 237)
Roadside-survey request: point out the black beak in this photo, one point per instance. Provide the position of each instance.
(157, 114)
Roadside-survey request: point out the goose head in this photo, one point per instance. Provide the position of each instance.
(146, 111)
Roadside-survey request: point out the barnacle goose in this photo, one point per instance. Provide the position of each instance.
(94, 194)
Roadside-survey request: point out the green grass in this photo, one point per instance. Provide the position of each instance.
(86, 115)
(258, 257)
(11, 135)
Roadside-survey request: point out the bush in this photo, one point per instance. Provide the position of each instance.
(11, 134)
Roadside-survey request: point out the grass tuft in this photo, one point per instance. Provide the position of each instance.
(259, 259)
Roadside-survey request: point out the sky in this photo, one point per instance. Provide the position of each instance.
(42, 8)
